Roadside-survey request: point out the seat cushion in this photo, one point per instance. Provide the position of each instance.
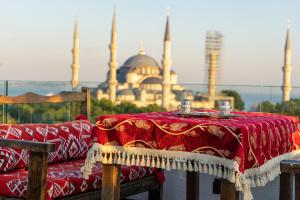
(71, 138)
(66, 179)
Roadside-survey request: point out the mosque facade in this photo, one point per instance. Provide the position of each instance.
(140, 80)
(143, 81)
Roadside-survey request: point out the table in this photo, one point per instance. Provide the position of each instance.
(244, 151)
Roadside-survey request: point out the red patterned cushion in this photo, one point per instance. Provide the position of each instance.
(71, 139)
(65, 179)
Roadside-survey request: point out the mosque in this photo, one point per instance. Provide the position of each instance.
(142, 81)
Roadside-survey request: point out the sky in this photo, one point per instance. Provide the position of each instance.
(36, 37)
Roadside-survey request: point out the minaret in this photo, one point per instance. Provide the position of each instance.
(75, 64)
(166, 63)
(287, 68)
(213, 56)
(112, 81)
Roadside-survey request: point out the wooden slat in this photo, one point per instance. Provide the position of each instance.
(127, 189)
(31, 146)
(139, 186)
(86, 104)
(290, 166)
(36, 98)
(192, 185)
(228, 191)
(154, 194)
(9, 198)
(285, 191)
(297, 186)
(111, 182)
(5, 114)
(37, 175)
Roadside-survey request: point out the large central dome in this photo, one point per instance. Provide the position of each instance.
(140, 61)
(139, 64)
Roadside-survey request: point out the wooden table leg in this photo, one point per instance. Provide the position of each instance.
(192, 185)
(111, 182)
(297, 186)
(228, 191)
(285, 190)
(157, 193)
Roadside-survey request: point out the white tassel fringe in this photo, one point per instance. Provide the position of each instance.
(188, 161)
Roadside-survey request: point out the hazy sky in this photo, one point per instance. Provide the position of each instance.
(36, 37)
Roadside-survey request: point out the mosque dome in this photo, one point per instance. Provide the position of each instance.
(152, 84)
(125, 92)
(152, 80)
(139, 64)
(140, 60)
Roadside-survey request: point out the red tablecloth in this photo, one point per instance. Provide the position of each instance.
(245, 150)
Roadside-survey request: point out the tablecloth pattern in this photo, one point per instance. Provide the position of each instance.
(246, 149)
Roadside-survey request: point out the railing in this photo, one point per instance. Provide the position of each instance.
(252, 96)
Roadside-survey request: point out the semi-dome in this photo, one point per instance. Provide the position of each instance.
(152, 80)
(125, 92)
(140, 60)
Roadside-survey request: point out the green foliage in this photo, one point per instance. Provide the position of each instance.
(127, 107)
(153, 108)
(100, 107)
(61, 112)
(291, 107)
(104, 106)
(42, 113)
(238, 101)
(267, 106)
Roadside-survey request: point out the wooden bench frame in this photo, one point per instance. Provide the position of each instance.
(111, 186)
(289, 168)
(38, 153)
(37, 167)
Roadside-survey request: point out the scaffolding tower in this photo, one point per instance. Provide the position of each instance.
(214, 42)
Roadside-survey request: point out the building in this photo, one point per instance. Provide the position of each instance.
(142, 81)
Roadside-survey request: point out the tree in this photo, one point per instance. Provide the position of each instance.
(291, 107)
(153, 108)
(238, 101)
(127, 107)
(267, 106)
(59, 112)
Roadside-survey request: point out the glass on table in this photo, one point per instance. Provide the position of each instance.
(185, 106)
(225, 108)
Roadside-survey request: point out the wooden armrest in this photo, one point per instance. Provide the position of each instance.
(37, 166)
(31, 146)
(289, 166)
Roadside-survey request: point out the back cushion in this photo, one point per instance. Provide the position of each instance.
(71, 141)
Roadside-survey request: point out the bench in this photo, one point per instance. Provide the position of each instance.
(43, 161)
(289, 169)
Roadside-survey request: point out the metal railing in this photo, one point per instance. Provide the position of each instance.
(252, 97)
